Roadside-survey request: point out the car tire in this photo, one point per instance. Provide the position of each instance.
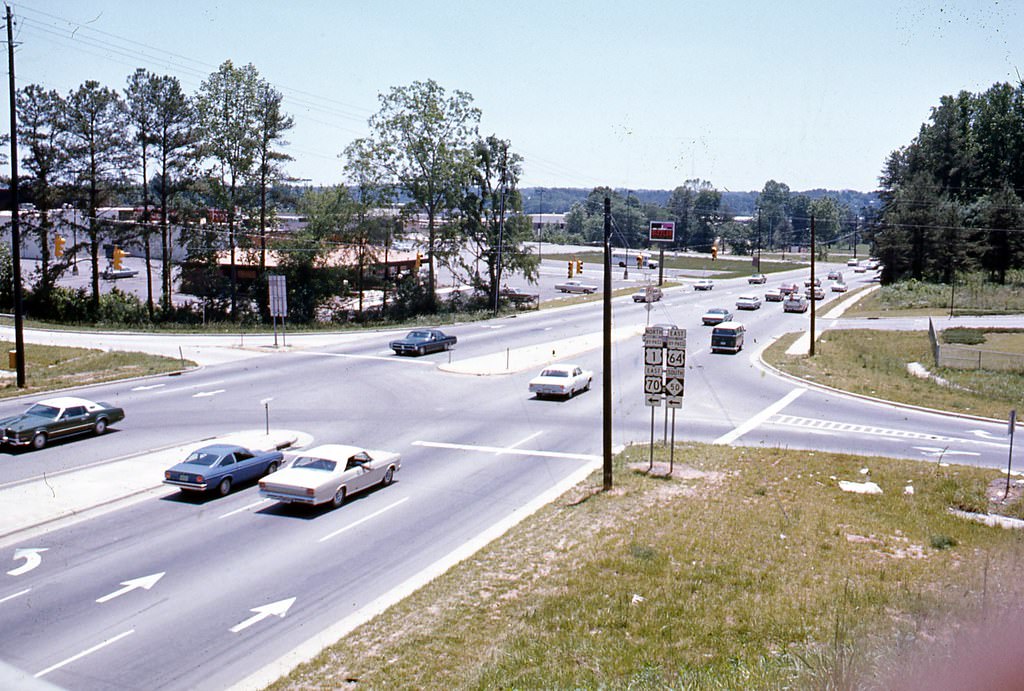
(421, 351)
(339, 497)
(224, 487)
(100, 427)
(389, 477)
(272, 468)
(587, 387)
(38, 440)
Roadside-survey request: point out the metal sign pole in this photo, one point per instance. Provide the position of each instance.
(650, 464)
(1009, 460)
(672, 449)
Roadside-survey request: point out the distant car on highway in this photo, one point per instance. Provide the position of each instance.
(576, 287)
(518, 296)
(748, 302)
(789, 288)
(795, 303)
(807, 282)
(648, 294)
(773, 295)
(221, 467)
(422, 341)
(54, 418)
(817, 291)
(704, 284)
(757, 279)
(872, 264)
(727, 337)
(852, 262)
(330, 473)
(114, 274)
(716, 315)
(561, 380)
(839, 287)
(859, 269)
(835, 275)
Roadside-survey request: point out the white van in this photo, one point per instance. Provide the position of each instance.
(727, 337)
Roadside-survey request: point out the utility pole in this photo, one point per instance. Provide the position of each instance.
(501, 229)
(606, 374)
(759, 240)
(19, 339)
(813, 289)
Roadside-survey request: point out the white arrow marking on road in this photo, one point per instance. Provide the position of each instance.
(147, 388)
(983, 434)
(146, 582)
(204, 394)
(276, 609)
(936, 451)
(31, 557)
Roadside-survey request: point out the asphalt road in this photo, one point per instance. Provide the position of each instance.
(476, 451)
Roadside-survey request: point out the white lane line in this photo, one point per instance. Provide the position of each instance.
(507, 449)
(18, 594)
(386, 358)
(82, 654)
(364, 519)
(520, 442)
(147, 388)
(207, 394)
(193, 387)
(755, 421)
(244, 508)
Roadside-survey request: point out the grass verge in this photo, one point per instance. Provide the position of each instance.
(56, 367)
(972, 295)
(874, 363)
(751, 570)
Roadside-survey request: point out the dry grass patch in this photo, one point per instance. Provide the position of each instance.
(755, 571)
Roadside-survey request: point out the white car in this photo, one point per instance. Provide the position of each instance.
(773, 295)
(748, 302)
(758, 279)
(576, 287)
(716, 315)
(704, 284)
(852, 262)
(561, 380)
(330, 473)
(839, 287)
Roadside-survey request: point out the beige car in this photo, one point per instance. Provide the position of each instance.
(330, 473)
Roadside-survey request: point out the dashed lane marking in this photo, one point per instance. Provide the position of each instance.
(509, 450)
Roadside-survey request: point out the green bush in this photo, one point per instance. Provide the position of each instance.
(963, 336)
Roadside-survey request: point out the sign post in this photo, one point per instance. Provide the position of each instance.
(662, 232)
(664, 376)
(278, 303)
(1009, 461)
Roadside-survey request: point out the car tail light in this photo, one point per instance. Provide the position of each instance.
(263, 485)
(167, 475)
(309, 491)
(199, 478)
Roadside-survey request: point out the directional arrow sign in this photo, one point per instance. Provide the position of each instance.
(276, 609)
(147, 388)
(146, 582)
(983, 434)
(32, 558)
(936, 451)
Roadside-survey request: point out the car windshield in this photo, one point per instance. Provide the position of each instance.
(419, 334)
(313, 463)
(717, 311)
(47, 411)
(554, 373)
(202, 458)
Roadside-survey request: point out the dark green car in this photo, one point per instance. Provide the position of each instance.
(58, 417)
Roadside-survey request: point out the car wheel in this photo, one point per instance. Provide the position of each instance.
(39, 440)
(339, 497)
(100, 427)
(272, 468)
(389, 476)
(224, 487)
(587, 387)
(421, 351)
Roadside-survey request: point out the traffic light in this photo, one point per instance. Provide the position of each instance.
(639, 261)
(714, 253)
(58, 245)
(570, 268)
(579, 266)
(119, 254)
(419, 260)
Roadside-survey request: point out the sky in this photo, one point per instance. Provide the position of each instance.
(634, 95)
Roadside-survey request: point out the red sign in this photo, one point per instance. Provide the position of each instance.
(663, 231)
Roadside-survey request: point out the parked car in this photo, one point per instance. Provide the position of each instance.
(748, 302)
(648, 294)
(716, 315)
(773, 295)
(518, 296)
(330, 473)
(788, 288)
(839, 287)
(422, 341)
(54, 418)
(727, 337)
(576, 287)
(561, 380)
(221, 466)
(795, 303)
(704, 284)
(835, 275)
(757, 279)
(817, 291)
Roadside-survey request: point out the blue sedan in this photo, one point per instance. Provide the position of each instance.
(220, 467)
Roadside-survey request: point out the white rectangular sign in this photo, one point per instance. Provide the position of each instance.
(278, 296)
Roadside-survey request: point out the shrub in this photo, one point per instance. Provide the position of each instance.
(963, 336)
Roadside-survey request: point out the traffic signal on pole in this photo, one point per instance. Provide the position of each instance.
(419, 260)
(639, 261)
(570, 268)
(579, 266)
(119, 255)
(714, 253)
(58, 246)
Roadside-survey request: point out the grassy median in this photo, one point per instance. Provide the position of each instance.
(48, 368)
(874, 363)
(750, 569)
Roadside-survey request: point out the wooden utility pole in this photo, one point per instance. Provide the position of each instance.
(813, 289)
(19, 339)
(606, 374)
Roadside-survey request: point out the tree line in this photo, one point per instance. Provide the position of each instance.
(952, 196)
